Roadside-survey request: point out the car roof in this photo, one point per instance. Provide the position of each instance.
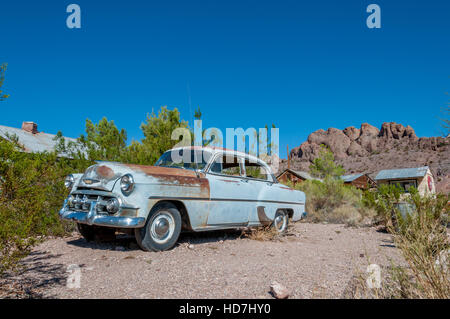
(216, 150)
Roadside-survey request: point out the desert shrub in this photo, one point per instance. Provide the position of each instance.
(423, 241)
(332, 201)
(422, 238)
(31, 193)
(383, 201)
(263, 233)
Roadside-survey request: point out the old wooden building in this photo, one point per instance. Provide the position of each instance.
(294, 176)
(418, 177)
(361, 181)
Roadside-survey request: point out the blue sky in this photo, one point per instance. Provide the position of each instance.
(300, 65)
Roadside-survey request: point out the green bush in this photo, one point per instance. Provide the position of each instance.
(421, 235)
(31, 193)
(332, 201)
(422, 238)
(383, 201)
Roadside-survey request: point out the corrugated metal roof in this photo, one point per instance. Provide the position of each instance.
(33, 143)
(351, 177)
(303, 174)
(402, 173)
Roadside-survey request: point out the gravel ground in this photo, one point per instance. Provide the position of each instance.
(313, 261)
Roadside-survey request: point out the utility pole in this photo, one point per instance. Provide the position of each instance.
(289, 159)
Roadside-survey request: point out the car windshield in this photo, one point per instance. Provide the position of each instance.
(185, 159)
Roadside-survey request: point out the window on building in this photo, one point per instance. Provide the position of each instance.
(406, 185)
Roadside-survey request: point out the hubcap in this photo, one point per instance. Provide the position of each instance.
(280, 222)
(162, 227)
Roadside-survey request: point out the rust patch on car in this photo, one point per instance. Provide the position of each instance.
(176, 177)
(228, 181)
(159, 170)
(288, 188)
(104, 172)
(263, 219)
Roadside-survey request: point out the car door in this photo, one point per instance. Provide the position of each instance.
(265, 195)
(229, 193)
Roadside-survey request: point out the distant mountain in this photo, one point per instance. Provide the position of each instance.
(369, 150)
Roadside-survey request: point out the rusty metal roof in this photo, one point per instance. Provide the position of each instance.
(351, 177)
(301, 174)
(33, 143)
(402, 173)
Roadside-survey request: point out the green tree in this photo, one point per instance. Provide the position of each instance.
(3, 67)
(104, 141)
(158, 130)
(324, 165)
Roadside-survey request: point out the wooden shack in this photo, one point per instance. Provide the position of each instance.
(361, 181)
(418, 177)
(294, 176)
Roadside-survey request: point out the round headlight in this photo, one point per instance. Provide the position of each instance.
(68, 182)
(112, 206)
(127, 183)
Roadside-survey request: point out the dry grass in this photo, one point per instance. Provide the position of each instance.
(265, 233)
(423, 240)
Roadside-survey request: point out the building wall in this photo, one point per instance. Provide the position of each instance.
(287, 176)
(425, 185)
(360, 182)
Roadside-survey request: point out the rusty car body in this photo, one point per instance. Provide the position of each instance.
(157, 202)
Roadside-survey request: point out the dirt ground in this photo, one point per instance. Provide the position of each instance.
(313, 261)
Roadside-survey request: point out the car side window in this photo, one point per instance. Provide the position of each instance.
(257, 171)
(227, 166)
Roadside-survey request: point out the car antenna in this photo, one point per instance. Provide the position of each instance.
(196, 163)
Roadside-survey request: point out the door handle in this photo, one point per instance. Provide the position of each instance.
(244, 180)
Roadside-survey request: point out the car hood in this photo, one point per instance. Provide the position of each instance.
(104, 175)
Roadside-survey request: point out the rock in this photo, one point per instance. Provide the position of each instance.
(279, 291)
(369, 150)
(352, 132)
(190, 246)
(367, 129)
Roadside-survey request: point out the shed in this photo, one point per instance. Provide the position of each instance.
(418, 177)
(294, 176)
(361, 181)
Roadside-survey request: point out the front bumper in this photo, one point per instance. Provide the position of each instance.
(92, 218)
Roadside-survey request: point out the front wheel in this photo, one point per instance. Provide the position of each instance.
(161, 230)
(280, 222)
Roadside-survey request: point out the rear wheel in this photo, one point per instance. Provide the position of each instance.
(161, 230)
(281, 221)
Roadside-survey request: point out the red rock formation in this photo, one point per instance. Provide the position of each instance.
(369, 149)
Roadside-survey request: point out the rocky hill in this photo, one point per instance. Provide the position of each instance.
(369, 149)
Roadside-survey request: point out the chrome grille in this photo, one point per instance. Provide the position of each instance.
(82, 202)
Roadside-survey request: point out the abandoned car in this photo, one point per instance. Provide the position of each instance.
(190, 188)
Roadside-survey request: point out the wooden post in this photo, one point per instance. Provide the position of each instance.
(289, 159)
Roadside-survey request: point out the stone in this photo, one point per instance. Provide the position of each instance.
(279, 291)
